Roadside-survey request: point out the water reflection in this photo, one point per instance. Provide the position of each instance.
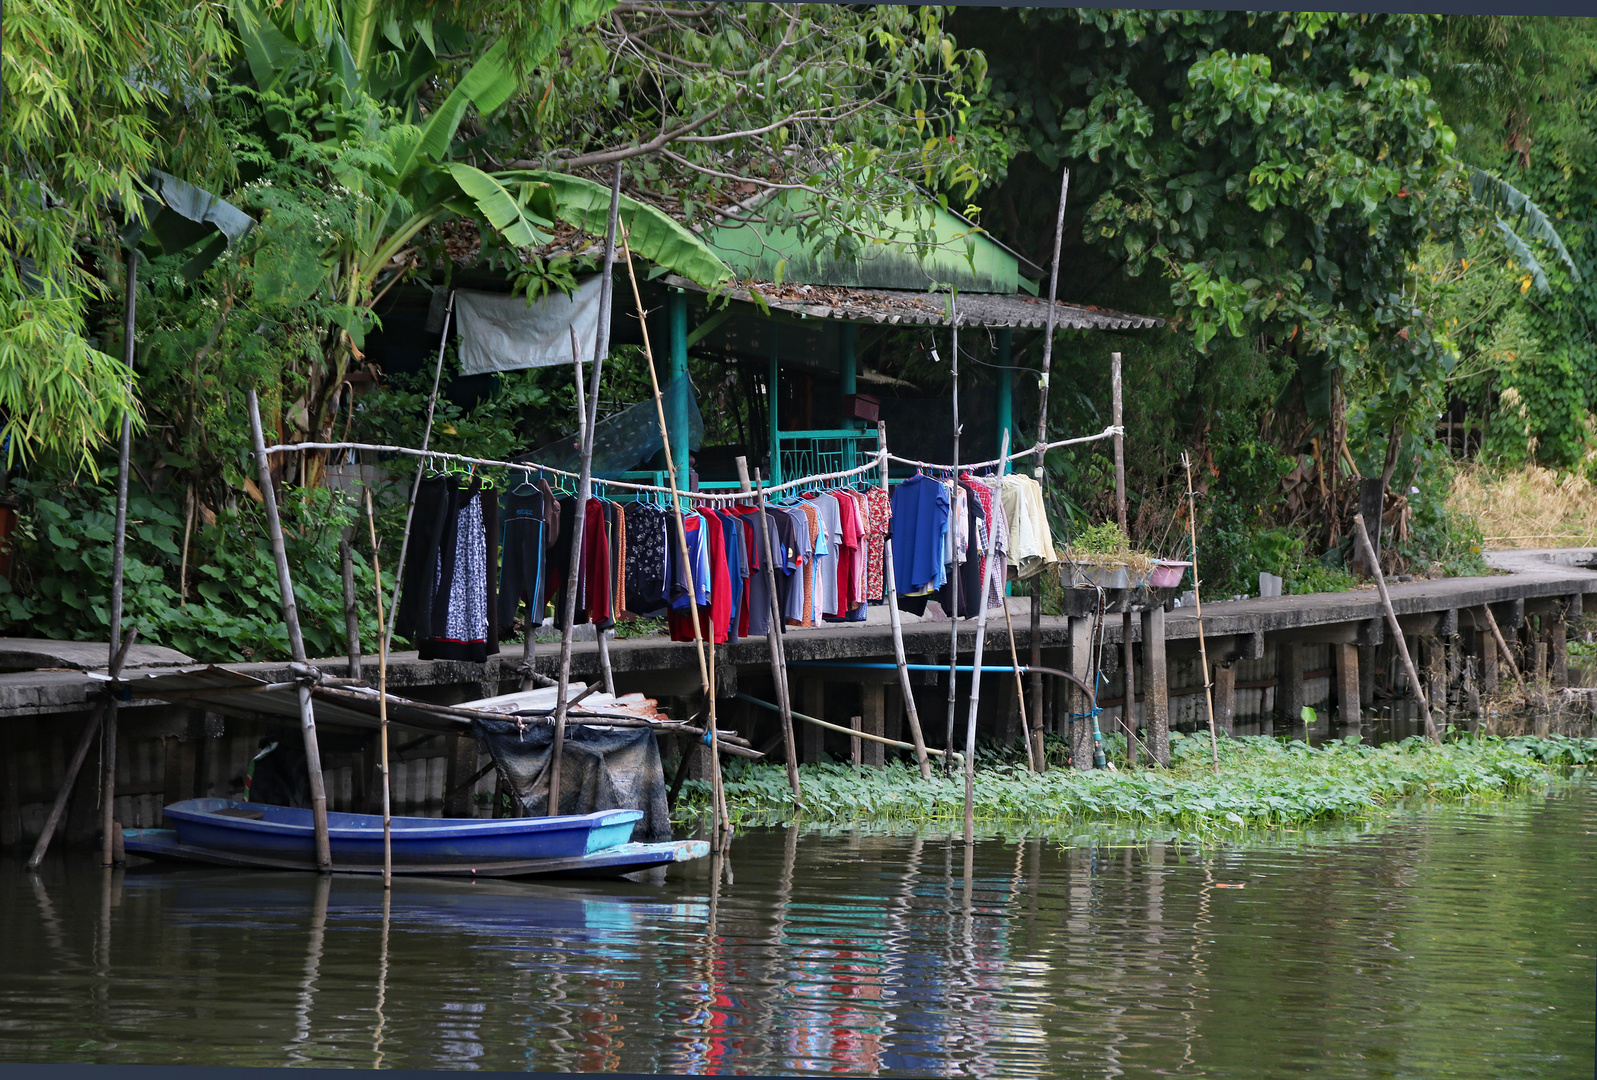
(1454, 936)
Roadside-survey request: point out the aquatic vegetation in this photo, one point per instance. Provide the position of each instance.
(1264, 783)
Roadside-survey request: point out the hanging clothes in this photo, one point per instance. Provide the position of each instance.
(645, 570)
(920, 513)
(524, 541)
(452, 574)
(1031, 542)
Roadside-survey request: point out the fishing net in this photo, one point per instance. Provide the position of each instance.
(601, 769)
(630, 437)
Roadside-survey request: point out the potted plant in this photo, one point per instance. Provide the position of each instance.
(1103, 557)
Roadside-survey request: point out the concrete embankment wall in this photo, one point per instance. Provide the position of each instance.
(1268, 659)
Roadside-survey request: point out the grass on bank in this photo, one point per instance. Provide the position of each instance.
(1530, 507)
(1264, 783)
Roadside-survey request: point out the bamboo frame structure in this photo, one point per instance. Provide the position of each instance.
(285, 584)
(773, 633)
(382, 704)
(1041, 450)
(890, 591)
(1397, 630)
(1197, 595)
(587, 417)
(721, 835)
(975, 673)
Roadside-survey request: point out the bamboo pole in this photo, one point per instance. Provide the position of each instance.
(975, 672)
(587, 416)
(118, 551)
(953, 755)
(1128, 671)
(722, 832)
(890, 588)
(1197, 595)
(1020, 689)
(1397, 631)
(382, 701)
(1497, 636)
(285, 584)
(773, 635)
(1037, 469)
(85, 741)
(953, 591)
(421, 466)
(346, 559)
(568, 616)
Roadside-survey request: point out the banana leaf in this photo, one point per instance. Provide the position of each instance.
(178, 215)
(651, 233)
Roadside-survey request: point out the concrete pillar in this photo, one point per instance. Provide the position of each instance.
(873, 707)
(1557, 639)
(1490, 657)
(10, 797)
(1155, 685)
(1078, 704)
(812, 739)
(854, 741)
(1436, 680)
(1290, 695)
(461, 765)
(1225, 699)
(1348, 688)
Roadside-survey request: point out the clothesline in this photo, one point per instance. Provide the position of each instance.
(1107, 433)
(528, 467)
(874, 465)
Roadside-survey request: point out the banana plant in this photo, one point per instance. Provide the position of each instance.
(369, 64)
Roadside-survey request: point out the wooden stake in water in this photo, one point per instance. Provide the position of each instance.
(1197, 595)
(1128, 671)
(586, 416)
(1037, 470)
(890, 588)
(953, 507)
(1397, 631)
(722, 834)
(773, 633)
(285, 584)
(975, 670)
(382, 700)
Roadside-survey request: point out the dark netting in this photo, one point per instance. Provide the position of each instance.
(601, 769)
(624, 441)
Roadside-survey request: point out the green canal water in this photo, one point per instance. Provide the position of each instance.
(1443, 943)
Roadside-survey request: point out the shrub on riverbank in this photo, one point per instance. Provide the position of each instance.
(1264, 783)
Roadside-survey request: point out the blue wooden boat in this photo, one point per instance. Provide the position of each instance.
(224, 832)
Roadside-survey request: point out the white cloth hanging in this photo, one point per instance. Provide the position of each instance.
(502, 332)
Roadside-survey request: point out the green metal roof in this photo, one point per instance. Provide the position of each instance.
(960, 254)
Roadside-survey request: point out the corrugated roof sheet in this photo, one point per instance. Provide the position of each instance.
(898, 307)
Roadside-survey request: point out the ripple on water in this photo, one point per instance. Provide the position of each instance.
(1448, 943)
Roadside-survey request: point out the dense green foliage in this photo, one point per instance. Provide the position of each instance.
(1348, 221)
(1282, 187)
(225, 607)
(1263, 784)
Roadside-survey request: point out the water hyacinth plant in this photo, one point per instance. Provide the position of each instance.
(1264, 784)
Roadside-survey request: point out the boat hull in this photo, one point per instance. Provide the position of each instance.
(288, 833)
(614, 861)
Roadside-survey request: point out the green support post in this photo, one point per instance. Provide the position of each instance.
(1006, 389)
(676, 406)
(1006, 402)
(772, 395)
